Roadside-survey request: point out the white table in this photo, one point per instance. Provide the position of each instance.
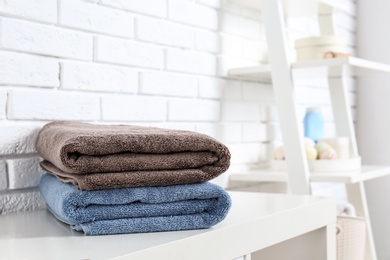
(256, 222)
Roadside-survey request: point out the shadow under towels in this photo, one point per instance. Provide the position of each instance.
(116, 156)
(136, 210)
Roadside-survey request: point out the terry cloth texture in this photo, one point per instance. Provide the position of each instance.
(136, 210)
(140, 154)
(97, 181)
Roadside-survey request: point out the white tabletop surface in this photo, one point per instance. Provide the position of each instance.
(255, 221)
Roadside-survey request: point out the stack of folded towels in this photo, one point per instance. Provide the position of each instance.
(112, 179)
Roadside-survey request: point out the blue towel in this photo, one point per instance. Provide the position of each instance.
(136, 210)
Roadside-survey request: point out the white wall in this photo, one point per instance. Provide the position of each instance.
(374, 123)
(150, 62)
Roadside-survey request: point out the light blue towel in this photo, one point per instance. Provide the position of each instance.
(136, 210)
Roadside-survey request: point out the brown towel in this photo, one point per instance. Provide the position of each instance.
(114, 156)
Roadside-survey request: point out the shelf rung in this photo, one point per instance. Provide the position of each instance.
(261, 73)
(264, 72)
(367, 172)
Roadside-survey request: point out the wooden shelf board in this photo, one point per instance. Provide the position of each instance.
(367, 172)
(264, 72)
(351, 61)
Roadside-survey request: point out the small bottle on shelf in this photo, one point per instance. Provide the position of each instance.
(313, 124)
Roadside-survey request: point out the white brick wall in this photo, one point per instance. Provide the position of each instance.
(96, 18)
(240, 26)
(255, 91)
(210, 87)
(168, 33)
(231, 45)
(207, 41)
(21, 200)
(21, 69)
(133, 108)
(50, 105)
(125, 52)
(191, 61)
(170, 84)
(193, 110)
(211, 3)
(40, 10)
(193, 14)
(240, 111)
(255, 132)
(95, 77)
(254, 50)
(3, 103)
(44, 39)
(3, 176)
(24, 173)
(146, 7)
(161, 63)
(18, 138)
(225, 132)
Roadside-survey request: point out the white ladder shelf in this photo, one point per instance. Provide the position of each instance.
(280, 73)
